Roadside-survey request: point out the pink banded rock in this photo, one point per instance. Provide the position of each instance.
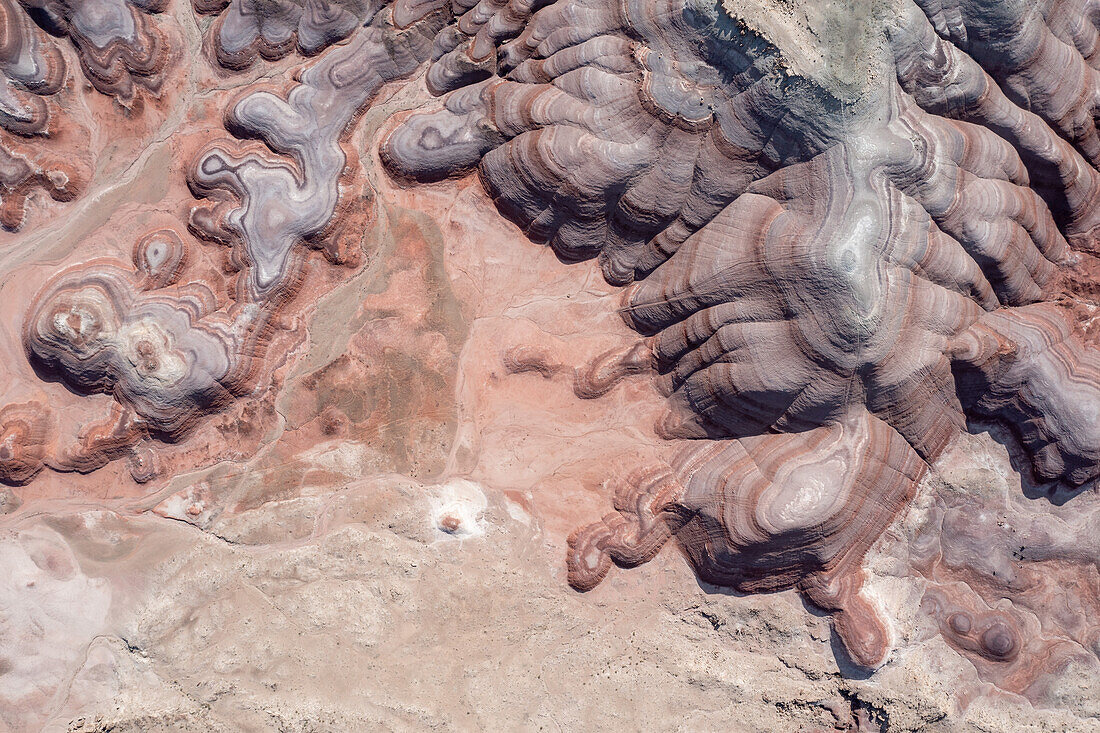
(247, 28)
(33, 71)
(287, 202)
(119, 48)
(816, 239)
(24, 435)
(770, 512)
(161, 353)
(172, 353)
(117, 42)
(841, 239)
(34, 68)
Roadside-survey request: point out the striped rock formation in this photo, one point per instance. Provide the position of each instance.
(839, 252)
(33, 71)
(842, 237)
(117, 42)
(246, 29)
(122, 53)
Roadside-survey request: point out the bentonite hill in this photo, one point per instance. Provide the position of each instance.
(549, 365)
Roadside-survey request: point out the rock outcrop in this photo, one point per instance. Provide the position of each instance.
(815, 242)
(834, 244)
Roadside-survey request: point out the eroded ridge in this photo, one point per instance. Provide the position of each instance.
(32, 70)
(163, 350)
(769, 512)
(122, 53)
(118, 43)
(307, 127)
(843, 237)
(172, 353)
(246, 29)
(840, 252)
